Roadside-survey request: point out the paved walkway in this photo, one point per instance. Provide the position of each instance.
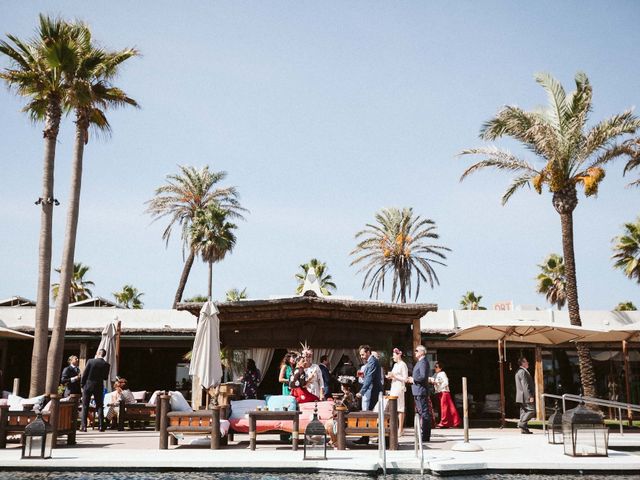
(504, 450)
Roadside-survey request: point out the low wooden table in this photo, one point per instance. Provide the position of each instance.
(256, 415)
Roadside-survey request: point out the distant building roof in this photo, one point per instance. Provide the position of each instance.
(451, 321)
(94, 319)
(17, 302)
(95, 302)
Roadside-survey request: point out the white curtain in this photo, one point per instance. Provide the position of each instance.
(335, 354)
(262, 357)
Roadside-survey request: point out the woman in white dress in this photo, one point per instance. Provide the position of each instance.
(398, 376)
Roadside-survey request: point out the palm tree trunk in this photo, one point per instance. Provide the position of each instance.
(183, 278)
(210, 289)
(587, 375)
(41, 330)
(62, 303)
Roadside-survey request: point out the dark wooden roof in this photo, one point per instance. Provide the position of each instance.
(323, 322)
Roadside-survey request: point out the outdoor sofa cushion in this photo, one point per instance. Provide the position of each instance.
(239, 408)
(277, 402)
(178, 403)
(140, 396)
(17, 403)
(325, 412)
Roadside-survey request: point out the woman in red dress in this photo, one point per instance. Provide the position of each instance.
(298, 382)
(448, 414)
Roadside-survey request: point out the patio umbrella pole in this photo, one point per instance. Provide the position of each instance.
(118, 332)
(501, 367)
(625, 356)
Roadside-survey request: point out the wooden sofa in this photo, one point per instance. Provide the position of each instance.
(366, 424)
(62, 416)
(203, 422)
(138, 415)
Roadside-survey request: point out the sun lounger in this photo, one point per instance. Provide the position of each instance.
(366, 424)
(61, 415)
(189, 422)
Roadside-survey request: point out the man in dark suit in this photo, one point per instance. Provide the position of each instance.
(71, 377)
(93, 377)
(326, 376)
(371, 384)
(420, 390)
(525, 390)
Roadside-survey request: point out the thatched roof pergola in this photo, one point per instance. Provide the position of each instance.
(324, 322)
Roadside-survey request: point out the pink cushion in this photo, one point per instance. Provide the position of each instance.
(325, 410)
(241, 425)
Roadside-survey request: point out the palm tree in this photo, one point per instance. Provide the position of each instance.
(181, 197)
(129, 297)
(633, 147)
(469, 301)
(571, 156)
(325, 280)
(212, 236)
(398, 245)
(235, 295)
(627, 251)
(552, 280)
(37, 72)
(79, 286)
(625, 307)
(90, 94)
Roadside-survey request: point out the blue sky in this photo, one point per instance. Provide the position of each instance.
(322, 113)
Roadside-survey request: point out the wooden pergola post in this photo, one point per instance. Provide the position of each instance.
(501, 361)
(627, 374)
(539, 381)
(417, 335)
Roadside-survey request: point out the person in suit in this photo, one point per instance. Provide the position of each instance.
(525, 389)
(71, 377)
(371, 384)
(93, 377)
(419, 381)
(326, 376)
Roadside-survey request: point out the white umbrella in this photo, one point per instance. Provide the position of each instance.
(205, 355)
(108, 343)
(527, 333)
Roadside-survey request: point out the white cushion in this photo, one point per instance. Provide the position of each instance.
(15, 402)
(239, 408)
(206, 441)
(140, 396)
(178, 403)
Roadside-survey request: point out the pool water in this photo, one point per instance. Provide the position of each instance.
(33, 475)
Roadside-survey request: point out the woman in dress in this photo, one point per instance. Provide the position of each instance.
(251, 380)
(398, 376)
(286, 370)
(448, 414)
(120, 392)
(299, 381)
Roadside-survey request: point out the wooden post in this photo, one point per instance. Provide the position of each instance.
(627, 374)
(54, 418)
(164, 422)
(82, 360)
(215, 428)
(465, 410)
(158, 404)
(417, 335)
(539, 381)
(341, 411)
(4, 418)
(393, 422)
(16, 386)
(501, 361)
(252, 432)
(121, 415)
(118, 332)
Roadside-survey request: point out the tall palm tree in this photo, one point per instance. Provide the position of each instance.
(181, 197)
(90, 94)
(633, 150)
(212, 236)
(37, 71)
(571, 156)
(627, 251)
(79, 289)
(398, 245)
(324, 279)
(625, 307)
(129, 297)
(471, 301)
(552, 280)
(235, 295)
